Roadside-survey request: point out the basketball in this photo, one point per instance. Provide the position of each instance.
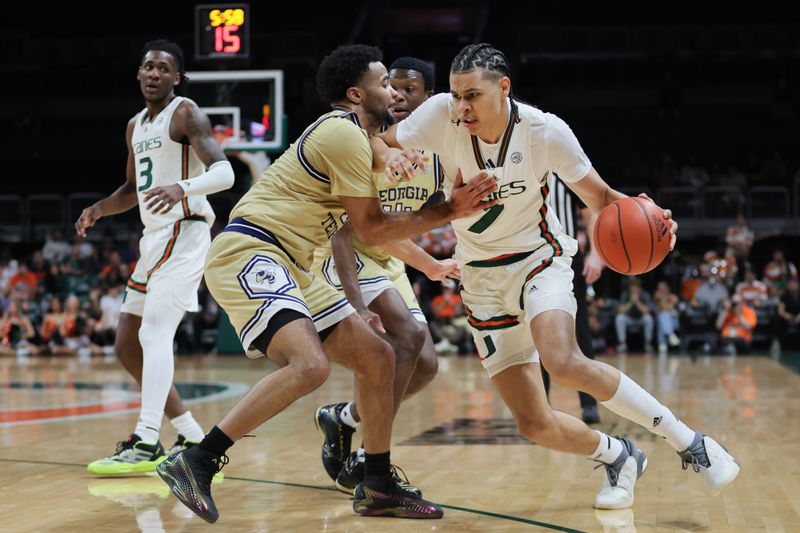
(632, 236)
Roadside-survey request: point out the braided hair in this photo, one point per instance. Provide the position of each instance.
(489, 58)
(173, 49)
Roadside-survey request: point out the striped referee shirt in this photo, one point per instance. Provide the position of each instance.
(565, 204)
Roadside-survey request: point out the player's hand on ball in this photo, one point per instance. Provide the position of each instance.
(673, 225)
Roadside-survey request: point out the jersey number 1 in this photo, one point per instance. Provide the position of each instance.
(147, 173)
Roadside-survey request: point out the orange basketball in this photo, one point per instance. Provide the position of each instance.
(632, 236)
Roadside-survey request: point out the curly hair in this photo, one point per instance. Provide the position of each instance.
(343, 68)
(173, 49)
(423, 67)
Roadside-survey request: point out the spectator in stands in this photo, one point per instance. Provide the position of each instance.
(439, 242)
(54, 284)
(16, 332)
(753, 291)
(736, 322)
(448, 313)
(23, 282)
(39, 266)
(779, 271)
(114, 272)
(52, 327)
(76, 328)
(55, 247)
(597, 327)
(8, 267)
(788, 331)
(690, 283)
(739, 238)
(635, 311)
(710, 293)
(666, 303)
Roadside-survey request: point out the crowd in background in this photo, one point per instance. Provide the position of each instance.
(64, 297)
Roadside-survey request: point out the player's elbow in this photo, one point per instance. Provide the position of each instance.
(227, 177)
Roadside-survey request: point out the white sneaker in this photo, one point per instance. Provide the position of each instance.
(621, 476)
(673, 340)
(622, 348)
(712, 461)
(662, 349)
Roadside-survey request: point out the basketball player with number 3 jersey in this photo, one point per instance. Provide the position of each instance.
(173, 163)
(516, 274)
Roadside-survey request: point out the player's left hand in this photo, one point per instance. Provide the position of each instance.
(443, 269)
(160, 200)
(592, 267)
(673, 226)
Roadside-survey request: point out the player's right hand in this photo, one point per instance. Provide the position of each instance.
(373, 320)
(403, 166)
(88, 218)
(468, 198)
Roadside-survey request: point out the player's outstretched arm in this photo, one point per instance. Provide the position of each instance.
(117, 202)
(378, 227)
(416, 257)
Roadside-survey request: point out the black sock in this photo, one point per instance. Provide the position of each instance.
(376, 464)
(216, 442)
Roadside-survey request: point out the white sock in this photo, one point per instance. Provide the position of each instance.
(608, 450)
(187, 426)
(636, 404)
(160, 320)
(347, 416)
(149, 424)
(360, 455)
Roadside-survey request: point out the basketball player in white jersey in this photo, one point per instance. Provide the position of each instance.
(516, 276)
(173, 163)
(377, 286)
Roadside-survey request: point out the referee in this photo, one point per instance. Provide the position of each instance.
(568, 207)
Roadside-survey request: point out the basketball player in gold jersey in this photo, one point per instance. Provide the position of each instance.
(258, 271)
(377, 286)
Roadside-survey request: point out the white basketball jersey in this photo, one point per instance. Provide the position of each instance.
(533, 144)
(161, 161)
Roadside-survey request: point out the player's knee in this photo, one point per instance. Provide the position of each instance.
(427, 366)
(563, 367)
(410, 339)
(379, 366)
(313, 371)
(538, 429)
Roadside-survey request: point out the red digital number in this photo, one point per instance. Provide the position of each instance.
(226, 41)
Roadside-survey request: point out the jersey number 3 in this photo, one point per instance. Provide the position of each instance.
(147, 172)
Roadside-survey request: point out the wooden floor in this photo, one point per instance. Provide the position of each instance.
(455, 440)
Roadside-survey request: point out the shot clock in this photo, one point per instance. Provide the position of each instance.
(222, 31)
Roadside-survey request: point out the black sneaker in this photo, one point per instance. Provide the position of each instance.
(189, 474)
(352, 474)
(338, 437)
(371, 499)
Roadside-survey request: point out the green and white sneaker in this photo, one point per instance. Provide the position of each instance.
(181, 444)
(131, 457)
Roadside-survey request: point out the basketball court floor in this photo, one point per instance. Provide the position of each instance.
(455, 440)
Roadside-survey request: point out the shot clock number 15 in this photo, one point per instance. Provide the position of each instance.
(222, 31)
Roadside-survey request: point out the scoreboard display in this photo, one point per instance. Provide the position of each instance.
(222, 31)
